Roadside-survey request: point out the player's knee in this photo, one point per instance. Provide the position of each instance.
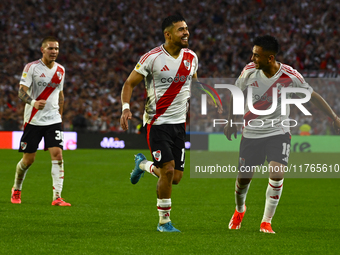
(57, 154)
(168, 170)
(176, 180)
(28, 160)
(244, 181)
(177, 177)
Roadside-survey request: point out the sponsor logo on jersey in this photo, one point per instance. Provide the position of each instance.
(186, 64)
(23, 80)
(157, 155)
(138, 66)
(264, 97)
(23, 145)
(42, 75)
(49, 84)
(178, 78)
(24, 75)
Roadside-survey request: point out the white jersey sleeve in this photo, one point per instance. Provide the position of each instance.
(241, 82)
(297, 79)
(27, 74)
(144, 64)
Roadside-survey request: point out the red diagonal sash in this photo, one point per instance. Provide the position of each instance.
(52, 85)
(285, 80)
(175, 87)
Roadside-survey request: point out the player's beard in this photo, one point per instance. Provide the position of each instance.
(182, 44)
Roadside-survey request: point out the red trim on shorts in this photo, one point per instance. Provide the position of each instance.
(148, 128)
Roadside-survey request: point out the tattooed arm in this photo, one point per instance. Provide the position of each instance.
(61, 103)
(39, 105)
(23, 94)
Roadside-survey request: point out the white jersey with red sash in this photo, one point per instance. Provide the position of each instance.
(268, 125)
(167, 82)
(43, 83)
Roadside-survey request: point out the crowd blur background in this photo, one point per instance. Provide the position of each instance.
(101, 42)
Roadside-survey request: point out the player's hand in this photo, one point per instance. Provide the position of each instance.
(229, 130)
(126, 115)
(217, 105)
(40, 104)
(336, 125)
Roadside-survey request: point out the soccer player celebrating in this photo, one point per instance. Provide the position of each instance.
(41, 88)
(271, 141)
(168, 71)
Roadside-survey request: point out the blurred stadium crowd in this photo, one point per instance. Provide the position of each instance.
(101, 41)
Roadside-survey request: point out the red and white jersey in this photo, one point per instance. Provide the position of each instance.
(167, 81)
(259, 126)
(43, 83)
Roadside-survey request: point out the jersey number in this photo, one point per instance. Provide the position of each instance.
(285, 149)
(182, 157)
(59, 136)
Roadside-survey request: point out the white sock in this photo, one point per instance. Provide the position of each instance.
(20, 174)
(241, 195)
(164, 208)
(57, 177)
(273, 196)
(148, 167)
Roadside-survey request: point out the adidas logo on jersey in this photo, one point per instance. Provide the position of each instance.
(42, 75)
(165, 68)
(254, 84)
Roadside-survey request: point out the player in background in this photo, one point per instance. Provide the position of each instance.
(168, 71)
(41, 88)
(271, 142)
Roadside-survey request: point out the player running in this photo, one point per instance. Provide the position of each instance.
(272, 140)
(41, 88)
(168, 71)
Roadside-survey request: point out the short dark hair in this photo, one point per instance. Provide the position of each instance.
(167, 22)
(268, 43)
(49, 39)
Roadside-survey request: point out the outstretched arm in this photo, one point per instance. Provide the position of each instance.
(132, 81)
(321, 103)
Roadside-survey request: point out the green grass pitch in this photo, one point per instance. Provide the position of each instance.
(109, 215)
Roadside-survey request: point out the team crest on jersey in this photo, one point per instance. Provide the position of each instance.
(59, 75)
(157, 155)
(187, 64)
(23, 145)
(138, 66)
(242, 161)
